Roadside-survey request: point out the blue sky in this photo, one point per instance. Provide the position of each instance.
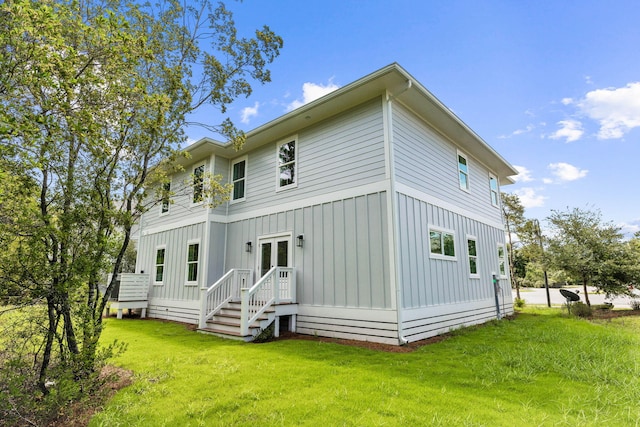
(553, 86)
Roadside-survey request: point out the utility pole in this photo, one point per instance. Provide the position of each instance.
(544, 267)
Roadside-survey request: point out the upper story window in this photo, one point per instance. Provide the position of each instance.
(166, 201)
(472, 248)
(495, 192)
(239, 179)
(442, 244)
(198, 183)
(287, 165)
(463, 171)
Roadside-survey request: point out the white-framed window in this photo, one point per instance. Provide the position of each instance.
(239, 179)
(198, 184)
(494, 190)
(442, 244)
(472, 253)
(166, 198)
(463, 171)
(159, 270)
(287, 164)
(193, 262)
(502, 260)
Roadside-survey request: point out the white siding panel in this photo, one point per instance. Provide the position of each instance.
(423, 323)
(175, 275)
(355, 324)
(339, 153)
(427, 281)
(345, 253)
(427, 161)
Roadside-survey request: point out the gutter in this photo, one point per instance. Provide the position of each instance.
(394, 208)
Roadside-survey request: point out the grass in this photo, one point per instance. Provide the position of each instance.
(540, 369)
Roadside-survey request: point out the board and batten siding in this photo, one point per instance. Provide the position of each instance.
(339, 153)
(344, 259)
(174, 299)
(430, 281)
(428, 162)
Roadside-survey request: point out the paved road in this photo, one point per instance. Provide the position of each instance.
(538, 296)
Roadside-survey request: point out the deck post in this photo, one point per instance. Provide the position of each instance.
(202, 322)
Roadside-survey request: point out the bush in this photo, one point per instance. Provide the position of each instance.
(605, 306)
(635, 304)
(519, 302)
(580, 309)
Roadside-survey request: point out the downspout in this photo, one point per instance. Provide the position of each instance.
(394, 209)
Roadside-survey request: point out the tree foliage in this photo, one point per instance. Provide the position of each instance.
(94, 94)
(592, 252)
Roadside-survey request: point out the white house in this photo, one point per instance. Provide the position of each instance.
(372, 213)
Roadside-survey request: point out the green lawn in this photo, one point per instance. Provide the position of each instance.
(540, 369)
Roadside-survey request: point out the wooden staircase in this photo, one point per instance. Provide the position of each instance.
(227, 323)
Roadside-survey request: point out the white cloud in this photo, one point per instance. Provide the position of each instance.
(529, 198)
(516, 132)
(248, 112)
(616, 109)
(524, 174)
(311, 92)
(547, 180)
(630, 229)
(567, 172)
(570, 129)
(567, 101)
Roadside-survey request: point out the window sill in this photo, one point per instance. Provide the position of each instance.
(443, 257)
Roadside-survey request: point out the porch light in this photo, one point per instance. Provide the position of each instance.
(247, 247)
(300, 240)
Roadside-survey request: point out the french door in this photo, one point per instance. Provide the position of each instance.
(274, 252)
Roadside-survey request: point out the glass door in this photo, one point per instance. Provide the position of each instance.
(274, 251)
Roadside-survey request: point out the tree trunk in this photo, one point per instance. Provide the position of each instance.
(46, 356)
(586, 293)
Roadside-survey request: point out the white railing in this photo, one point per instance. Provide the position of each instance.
(213, 298)
(276, 286)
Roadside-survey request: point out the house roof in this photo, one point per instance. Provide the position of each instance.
(393, 80)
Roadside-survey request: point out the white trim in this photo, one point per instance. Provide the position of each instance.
(155, 264)
(296, 159)
(459, 154)
(475, 275)
(348, 193)
(187, 282)
(417, 194)
(494, 177)
(173, 225)
(246, 176)
(192, 192)
(430, 228)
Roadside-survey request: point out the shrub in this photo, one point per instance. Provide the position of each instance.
(605, 306)
(580, 309)
(519, 302)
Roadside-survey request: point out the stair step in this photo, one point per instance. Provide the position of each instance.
(226, 334)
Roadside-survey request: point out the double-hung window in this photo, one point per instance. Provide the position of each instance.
(166, 201)
(442, 244)
(239, 179)
(193, 261)
(198, 183)
(472, 251)
(159, 270)
(502, 260)
(495, 192)
(463, 171)
(287, 165)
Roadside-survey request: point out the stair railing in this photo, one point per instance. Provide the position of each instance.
(276, 286)
(226, 289)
